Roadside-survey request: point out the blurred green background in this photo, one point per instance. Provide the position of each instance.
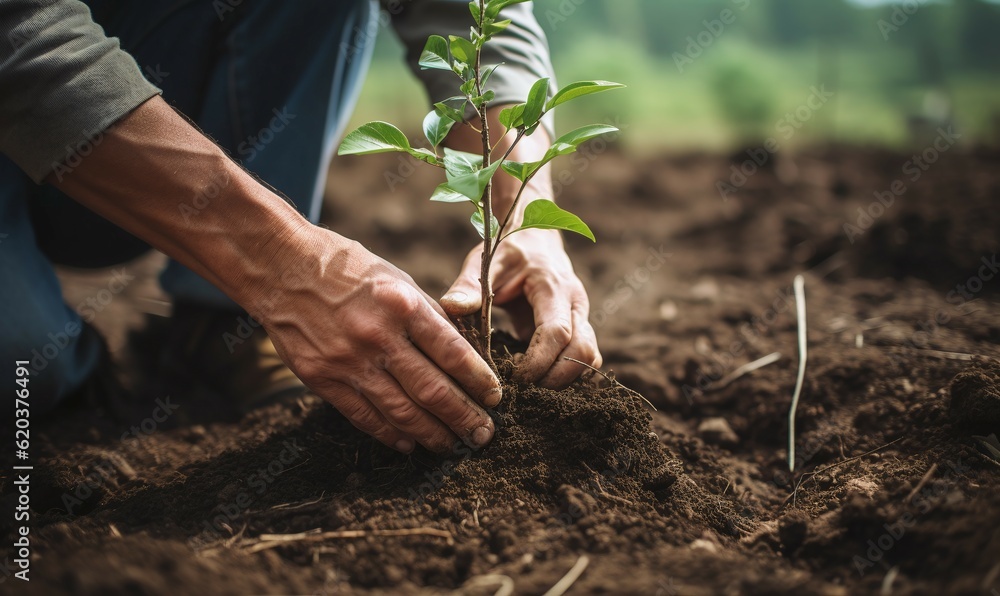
(897, 71)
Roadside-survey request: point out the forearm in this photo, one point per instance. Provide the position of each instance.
(506, 187)
(156, 176)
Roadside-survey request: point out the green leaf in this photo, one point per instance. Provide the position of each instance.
(454, 114)
(435, 54)
(519, 170)
(492, 29)
(488, 72)
(462, 49)
(445, 194)
(579, 89)
(473, 185)
(571, 140)
(564, 145)
(488, 96)
(477, 222)
(427, 156)
(374, 137)
(474, 9)
(437, 127)
(493, 7)
(546, 215)
(512, 116)
(536, 101)
(460, 163)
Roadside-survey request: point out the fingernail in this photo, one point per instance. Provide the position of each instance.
(481, 436)
(491, 398)
(405, 445)
(457, 297)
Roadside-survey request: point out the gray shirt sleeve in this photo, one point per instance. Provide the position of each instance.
(522, 47)
(62, 82)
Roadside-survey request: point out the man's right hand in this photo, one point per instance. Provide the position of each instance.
(363, 336)
(354, 328)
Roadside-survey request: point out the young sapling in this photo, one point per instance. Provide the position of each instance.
(469, 177)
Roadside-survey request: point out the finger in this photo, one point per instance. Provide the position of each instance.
(582, 347)
(464, 297)
(365, 417)
(435, 393)
(553, 331)
(451, 353)
(401, 411)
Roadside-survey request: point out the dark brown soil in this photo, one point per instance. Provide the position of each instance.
(891, 493)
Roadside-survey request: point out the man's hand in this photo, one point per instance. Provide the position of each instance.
(363, 336)
(534, 281)
(532, 276)
(353, 327)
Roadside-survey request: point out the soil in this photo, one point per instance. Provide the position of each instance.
(891, 492)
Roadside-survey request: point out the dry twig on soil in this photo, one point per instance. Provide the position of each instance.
(269, 541)
(743, 370)
(922, 483)
(800, 313)
(570, 578)
(611, 379)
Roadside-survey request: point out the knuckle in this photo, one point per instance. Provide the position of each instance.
(559, 331)
(457, 354)
(397, 298)
(365, 419)
(404, 414)
(435, 395)
(310, 371)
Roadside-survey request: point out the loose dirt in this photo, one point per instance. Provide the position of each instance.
(890, 491)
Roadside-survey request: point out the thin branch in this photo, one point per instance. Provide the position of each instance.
(503, 584)
(612, 380)
(269, 541)
(800, 311)
(835, 465)
(510, 213)
(743, 370)
(570, 578)
(923, 482)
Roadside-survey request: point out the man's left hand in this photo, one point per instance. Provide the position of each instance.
(533, 280)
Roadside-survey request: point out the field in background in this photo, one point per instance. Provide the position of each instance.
(694, 85)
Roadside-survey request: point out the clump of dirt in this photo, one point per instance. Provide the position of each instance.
(975, 396)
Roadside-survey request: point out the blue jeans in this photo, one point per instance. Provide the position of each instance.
(273, 82)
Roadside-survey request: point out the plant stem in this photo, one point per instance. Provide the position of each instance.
(486, 319)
